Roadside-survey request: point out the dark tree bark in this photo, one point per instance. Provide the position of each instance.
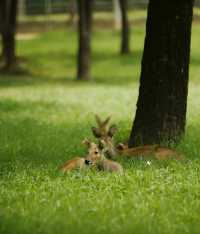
(124, 27)
(2, 18)
(84, 30)
(162, 101)
(8, 30)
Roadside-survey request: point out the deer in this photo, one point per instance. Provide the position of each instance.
(94, 159)
(99, 161)
(81, 163)
(147, 151)
(105, 134)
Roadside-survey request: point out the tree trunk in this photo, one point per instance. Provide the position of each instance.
(125, 27)
(117, 14)
(72, 12)
(162, 101)
(84, 30)
(2, 24)
(8, 29)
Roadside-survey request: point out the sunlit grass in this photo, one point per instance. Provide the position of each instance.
(44, 117)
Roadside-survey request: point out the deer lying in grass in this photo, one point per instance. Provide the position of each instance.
(79, 162)
(94, 159)
(99, 161)
(146, 151)
(105, 135)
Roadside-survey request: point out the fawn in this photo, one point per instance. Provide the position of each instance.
(99, 161)
(94, 158)
(79, 162)
(105, 135)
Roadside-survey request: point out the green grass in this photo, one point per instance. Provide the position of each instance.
(45, 115)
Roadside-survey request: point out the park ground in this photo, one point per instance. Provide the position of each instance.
(44, 116)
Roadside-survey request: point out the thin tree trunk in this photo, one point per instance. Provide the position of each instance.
(125, 27)
(117, 14)
(84, 30)
(8, 30)
(72, 12)
(162, 101)
(2, 24)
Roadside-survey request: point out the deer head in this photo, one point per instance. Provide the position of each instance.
(94, 153)
(105, 134)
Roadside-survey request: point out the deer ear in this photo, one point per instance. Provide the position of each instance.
(98, 120)
(86, 142)
(112, 130)
(96, 132)
(106, 121)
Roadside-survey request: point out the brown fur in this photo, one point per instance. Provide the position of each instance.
(110, 166)
(146, 151)
(72, 164)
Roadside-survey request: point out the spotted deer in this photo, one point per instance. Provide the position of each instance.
(105, 134)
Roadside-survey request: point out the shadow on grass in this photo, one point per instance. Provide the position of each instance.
(10, 105)
(103, 70)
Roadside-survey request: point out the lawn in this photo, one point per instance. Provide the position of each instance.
(46, 114)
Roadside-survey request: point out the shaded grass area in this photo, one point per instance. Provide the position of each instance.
(45, 115)
(52, 57)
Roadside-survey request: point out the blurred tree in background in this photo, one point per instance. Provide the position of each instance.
(124, 27)
(84, 32)
(72, 11)
(8, 21)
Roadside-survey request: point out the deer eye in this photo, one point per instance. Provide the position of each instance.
(96, 152)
